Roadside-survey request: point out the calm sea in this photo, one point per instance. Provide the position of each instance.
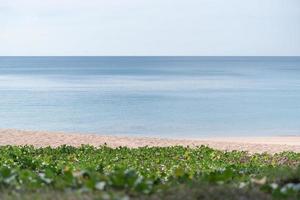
(152, 96)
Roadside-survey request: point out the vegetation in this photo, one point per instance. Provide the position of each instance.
(150, 173)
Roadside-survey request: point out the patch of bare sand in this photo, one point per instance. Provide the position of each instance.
(54, 139)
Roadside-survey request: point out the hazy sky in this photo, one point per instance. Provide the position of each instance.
(150, 27)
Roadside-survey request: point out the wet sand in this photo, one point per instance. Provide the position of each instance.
(54, 139)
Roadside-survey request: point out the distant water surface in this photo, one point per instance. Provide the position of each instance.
(152, 96)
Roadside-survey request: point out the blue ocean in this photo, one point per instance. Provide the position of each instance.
(152, 96)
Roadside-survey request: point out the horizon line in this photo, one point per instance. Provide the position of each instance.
(145, 56)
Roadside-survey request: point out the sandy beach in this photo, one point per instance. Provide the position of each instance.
(54, 139)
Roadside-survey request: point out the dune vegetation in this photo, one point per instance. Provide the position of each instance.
(177, 172)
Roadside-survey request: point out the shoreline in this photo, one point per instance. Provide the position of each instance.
(272, 144)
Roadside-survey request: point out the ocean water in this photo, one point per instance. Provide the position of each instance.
(152, 96)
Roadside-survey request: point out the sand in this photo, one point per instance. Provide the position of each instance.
(54, 139)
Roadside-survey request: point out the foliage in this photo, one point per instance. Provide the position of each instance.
(148, 172)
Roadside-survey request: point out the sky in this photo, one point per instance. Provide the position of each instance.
(150, 27)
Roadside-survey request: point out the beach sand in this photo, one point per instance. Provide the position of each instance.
(54, 139)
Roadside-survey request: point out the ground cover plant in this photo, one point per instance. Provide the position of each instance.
(88, 172)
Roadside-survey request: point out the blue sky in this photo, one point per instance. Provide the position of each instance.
(150, 27)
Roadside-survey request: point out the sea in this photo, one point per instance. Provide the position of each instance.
(170, 97)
